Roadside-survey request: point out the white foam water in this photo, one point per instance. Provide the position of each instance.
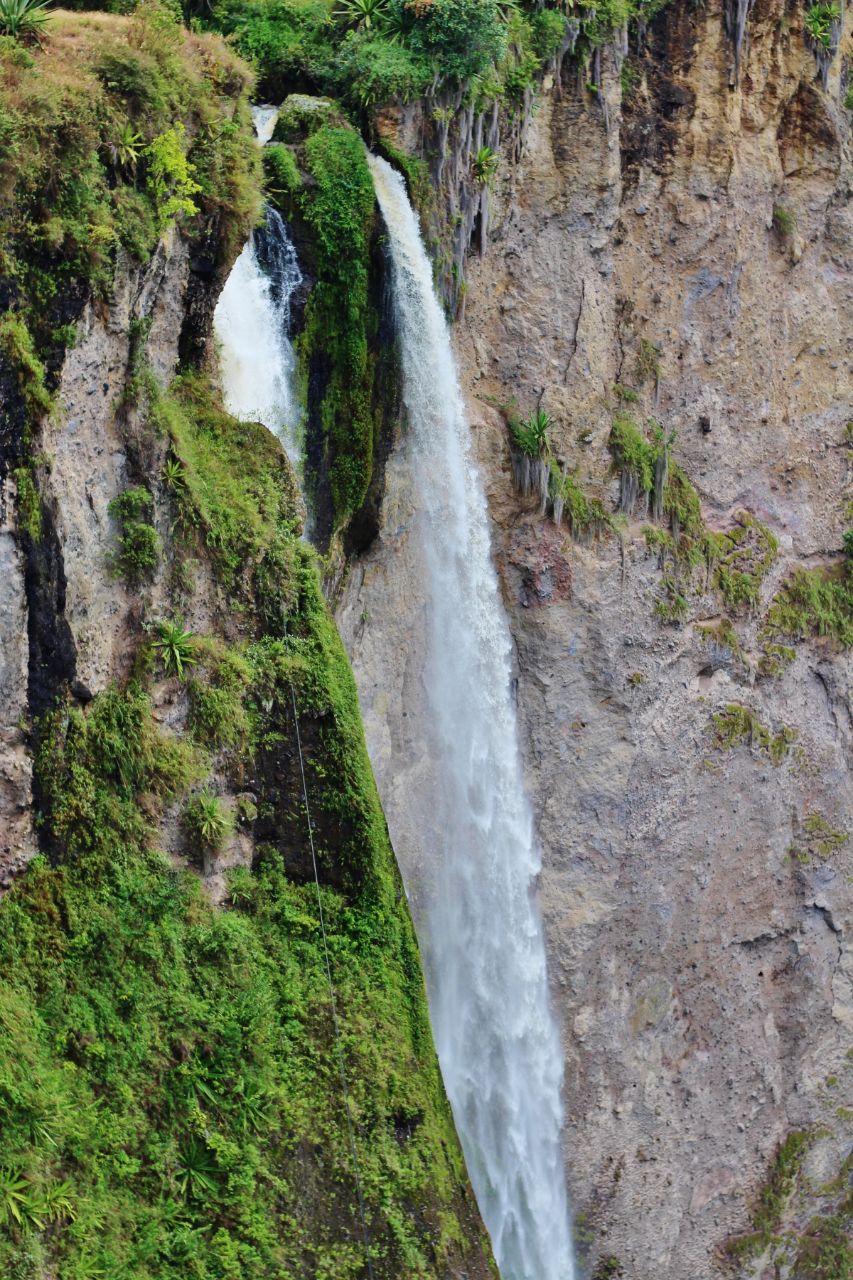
(252, 324)
(497, 1040)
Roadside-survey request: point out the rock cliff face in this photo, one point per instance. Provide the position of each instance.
(677, 244)
(171, 920)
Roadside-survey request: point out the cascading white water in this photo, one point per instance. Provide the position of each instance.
(264, 116)
(485, 953)
(252, 324)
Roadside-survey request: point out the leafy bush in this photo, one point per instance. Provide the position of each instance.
(286, 40)
(138, 545)
(135, 78)
(458, 37)
(372, 70)
(281, 173)
(170, 176)
(17, 345)
(76, 125)
(549, 29)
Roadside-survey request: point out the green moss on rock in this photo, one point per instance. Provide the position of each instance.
(168, 1067)
(814, 602)
(737, 724)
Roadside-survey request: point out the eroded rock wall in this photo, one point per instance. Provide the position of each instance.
(699, 933)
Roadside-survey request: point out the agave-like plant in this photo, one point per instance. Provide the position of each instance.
(23, 17)
(196, 1171)
(362, 14)
(176, 648)
(127, 148)
(484, 165)
(174, 476)
(818, 22)
(531, 434)
(207, 821)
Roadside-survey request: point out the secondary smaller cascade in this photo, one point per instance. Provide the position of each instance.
(252, 322)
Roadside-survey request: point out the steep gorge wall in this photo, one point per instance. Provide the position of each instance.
(697, 900)
(172, 1101)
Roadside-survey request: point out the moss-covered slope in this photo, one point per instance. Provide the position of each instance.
(171, 1096)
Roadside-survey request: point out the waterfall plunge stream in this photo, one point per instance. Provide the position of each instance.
(497, 1042)
(484, 947)
(252, 324)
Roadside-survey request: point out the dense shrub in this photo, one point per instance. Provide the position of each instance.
(458, 37)
(103, 133)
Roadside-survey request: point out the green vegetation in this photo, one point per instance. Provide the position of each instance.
(648, 362)
(364, 53)
(206, 822)
(217, 715)
(775, 658)
(814, 602)
(820, 1252)
(784, 220)
(170, 179)
(23, 18)
(608, 1268)
(738, 724)
(637, 459)
(109, 131)
(175, 647)
(586, 516)
(228, 500)
(536, 470)
(169, 1107)
(530, 435)
(825, 1249)
(822, 839)
(139, 544)
(28, 503)
(281, 174)
(484, 165)
(16, 344)
(743, 556)
(818, 20)
(339, 206)
(735, 562)
(777, 1190)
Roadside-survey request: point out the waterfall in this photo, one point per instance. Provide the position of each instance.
(252, 324)
(484, 947)
(264, 116)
